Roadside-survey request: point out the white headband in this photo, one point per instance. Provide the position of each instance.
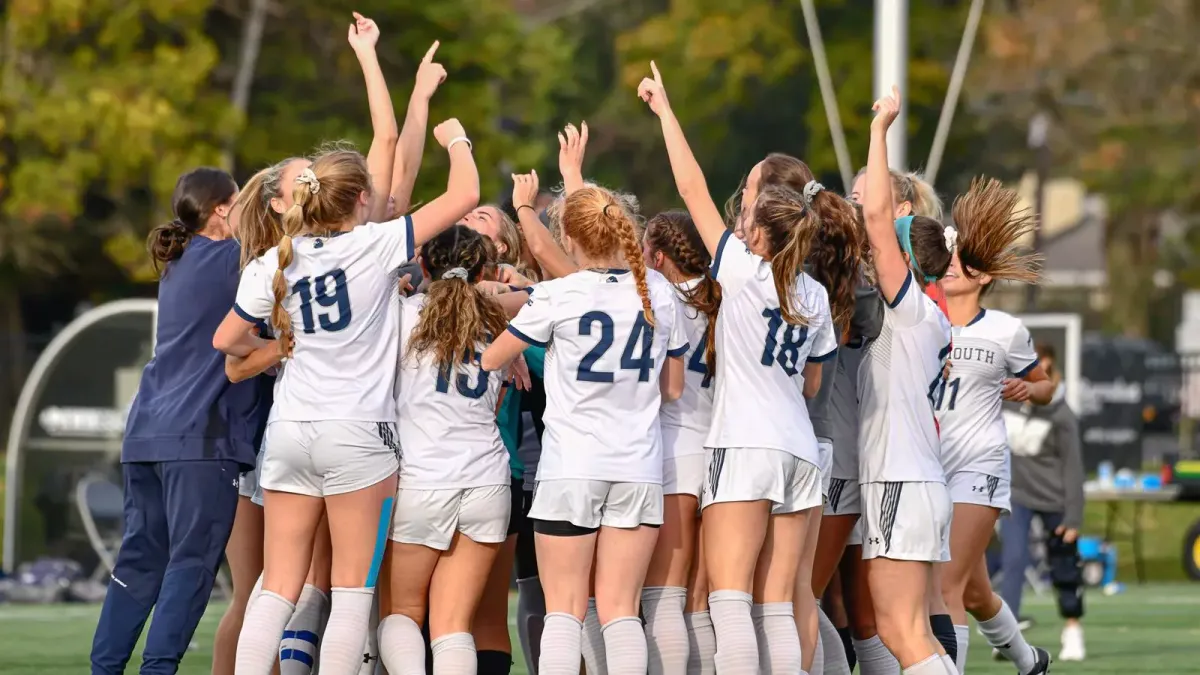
(309, 178)
(455, 273)
(951, 236)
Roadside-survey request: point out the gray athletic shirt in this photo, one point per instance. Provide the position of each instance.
(827, 409)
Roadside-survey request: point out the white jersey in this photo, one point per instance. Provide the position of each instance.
(601, 373)
(898, 437)
(345, 311)
(447, 420)
(759, 400)
(992, 347)
(685, 421)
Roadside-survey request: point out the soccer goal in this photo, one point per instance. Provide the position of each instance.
(1065, 332)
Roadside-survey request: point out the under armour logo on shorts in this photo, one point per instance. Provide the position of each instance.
(874, 540)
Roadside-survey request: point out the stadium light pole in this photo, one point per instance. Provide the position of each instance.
(1039, 129)
(891, 68)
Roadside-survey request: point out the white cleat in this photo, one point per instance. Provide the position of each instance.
(1072, 644)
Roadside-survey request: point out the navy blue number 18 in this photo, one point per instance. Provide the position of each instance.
(318, 289)
(784, 349)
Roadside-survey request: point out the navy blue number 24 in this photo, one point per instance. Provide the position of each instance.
(696, 364)
(784, 349)
(336, 300)
(642, 335)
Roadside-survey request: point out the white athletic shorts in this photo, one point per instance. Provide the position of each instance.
(906, 521)
(825, 462)
(855, 538)
(683, 475)
(752, 474)
(431, 517)
(972, 487)
(844, 497)
(328, 458)
(248, 483)
(593, 504)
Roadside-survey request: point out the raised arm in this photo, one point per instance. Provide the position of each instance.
(363, 36)
(411, 146)
(462, 189)
(552, 259)
(890, 267)
(572, 146)
(689, 179)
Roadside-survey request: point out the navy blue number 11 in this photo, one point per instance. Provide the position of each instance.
(336, 298)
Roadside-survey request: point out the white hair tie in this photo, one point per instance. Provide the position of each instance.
(455, 273)
(811, 188)
(951, 236)
(307, 177)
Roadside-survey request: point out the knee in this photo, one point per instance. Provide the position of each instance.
(976, 599)
(415, 611)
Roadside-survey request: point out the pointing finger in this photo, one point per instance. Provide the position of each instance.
(432, 50)
(654, 69)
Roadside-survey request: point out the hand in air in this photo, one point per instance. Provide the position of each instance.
(364, 34)
(430, 74)
(652, 92)
(886, 110)
(525, 190)
(572, 145)
(448, 131)
(1015, 390)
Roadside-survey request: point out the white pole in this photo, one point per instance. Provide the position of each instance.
(828, 95)
(956, 82)
(891, 68)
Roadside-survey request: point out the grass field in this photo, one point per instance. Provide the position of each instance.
(1150, 629)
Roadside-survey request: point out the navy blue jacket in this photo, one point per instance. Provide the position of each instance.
(186, 408)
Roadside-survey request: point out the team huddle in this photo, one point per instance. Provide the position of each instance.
(727, 406)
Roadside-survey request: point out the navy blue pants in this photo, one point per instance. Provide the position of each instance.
(1014, 535)
(178, 516)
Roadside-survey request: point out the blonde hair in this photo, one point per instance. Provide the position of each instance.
(457, 316)
(627, 201)
(911, 187)
(600, 226)
(990, 228)
(324, 201)
(259, 225)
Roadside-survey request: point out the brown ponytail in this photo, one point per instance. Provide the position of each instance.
(675, 235)
(990, 229)
(789, 227)
(197, 195)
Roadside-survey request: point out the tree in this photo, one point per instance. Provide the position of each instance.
(1121, 80)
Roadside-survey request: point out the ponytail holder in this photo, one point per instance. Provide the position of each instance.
(951, 235)
(455, 273)
(607, 207)
(307, 177)
(811, 188)
(904, 234)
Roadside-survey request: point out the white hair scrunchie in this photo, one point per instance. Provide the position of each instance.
(811, 188)
(951, 235)
(455, 273)
(307, 177)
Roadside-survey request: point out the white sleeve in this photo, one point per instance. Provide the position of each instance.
(1022, 358)
(392, 241)
(677, 343)
(909, 305)
(824, 338)
(734, 264)
(255, 299)
(535, 322)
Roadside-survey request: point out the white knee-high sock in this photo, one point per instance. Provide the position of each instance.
(1003, 633)
(702, 643)
(593, 641)
(402, 648)
(737, 643)
(625, 646)
(962, 635)
(298, 650)
(258, 643)
(930, 666)
(349, 616)
(666, 631)
(562, 645)
(454, 654)
(874, 658)
(370, 657)
(778, 641)
(834, 661)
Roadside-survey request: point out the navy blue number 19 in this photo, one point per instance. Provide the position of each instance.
(318, 289)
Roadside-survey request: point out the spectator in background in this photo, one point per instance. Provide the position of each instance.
(1047, 483)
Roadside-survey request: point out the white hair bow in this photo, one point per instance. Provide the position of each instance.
(309, 178)
(455, 273)
(811, 188)
(951, 235)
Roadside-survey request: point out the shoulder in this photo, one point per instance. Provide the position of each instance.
(266, 263)
(998, 325)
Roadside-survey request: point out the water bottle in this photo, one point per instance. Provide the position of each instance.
(1104, 475)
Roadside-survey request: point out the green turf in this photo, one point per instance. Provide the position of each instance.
(1151, 629)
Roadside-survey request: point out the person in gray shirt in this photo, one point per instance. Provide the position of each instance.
(1047, 483)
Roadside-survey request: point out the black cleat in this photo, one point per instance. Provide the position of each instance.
(1043, 662)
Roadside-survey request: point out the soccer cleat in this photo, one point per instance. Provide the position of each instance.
(1025, 623)
(1043, 662)
(1072, 644)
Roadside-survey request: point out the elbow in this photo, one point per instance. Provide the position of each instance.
(223, 342)
(489, 362)
(675, 391)
(232, 373)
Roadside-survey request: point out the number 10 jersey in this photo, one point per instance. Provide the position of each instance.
(344, 304)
